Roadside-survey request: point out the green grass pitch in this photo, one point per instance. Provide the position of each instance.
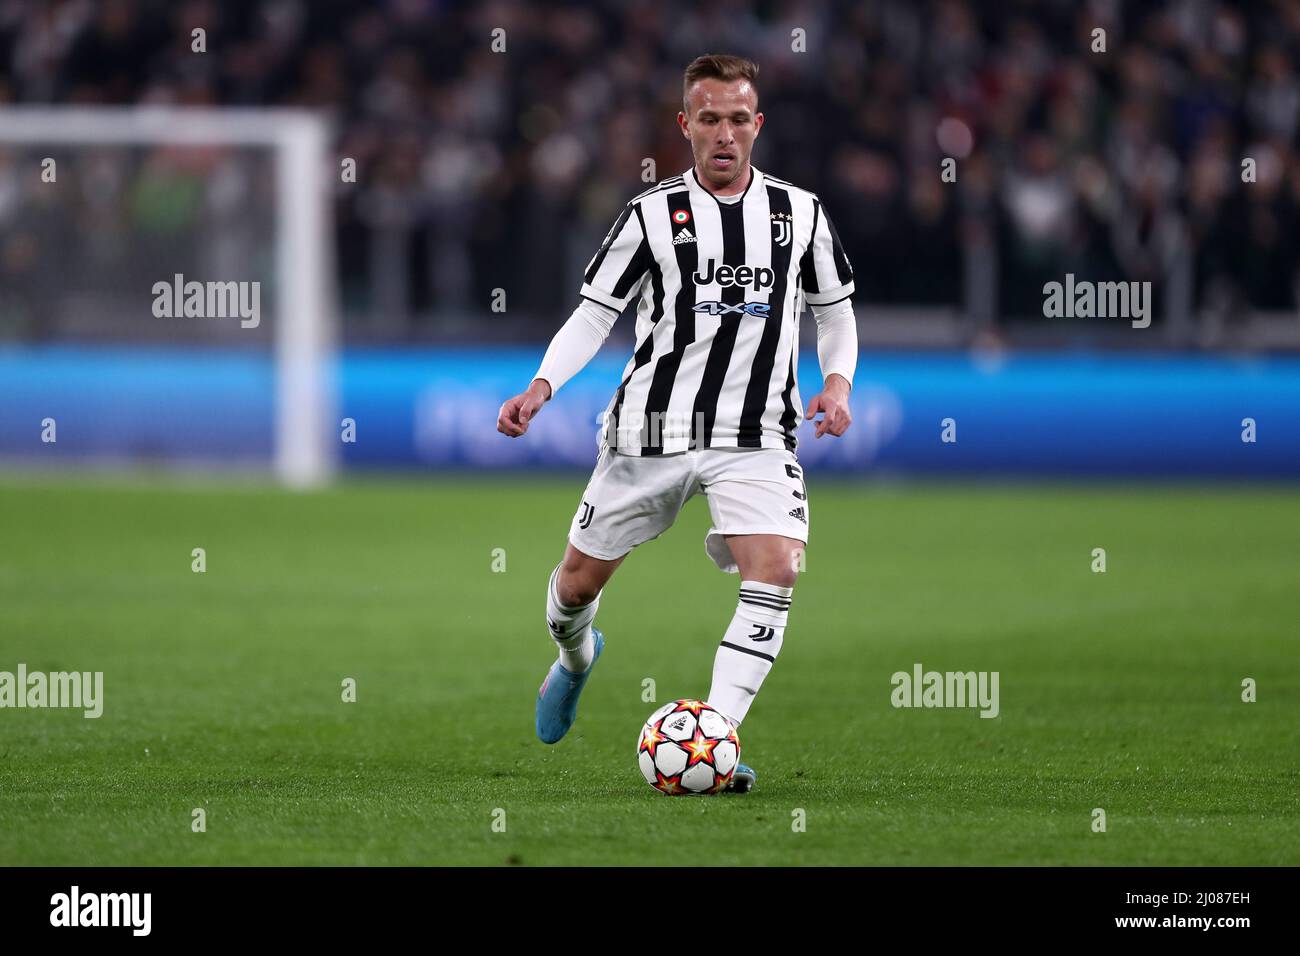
(1119, 690)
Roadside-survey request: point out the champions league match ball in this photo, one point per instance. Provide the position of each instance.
(686, 748)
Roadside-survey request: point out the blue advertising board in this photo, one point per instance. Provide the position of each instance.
(1018, 415)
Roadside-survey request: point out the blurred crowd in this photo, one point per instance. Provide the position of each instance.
(1112, 155)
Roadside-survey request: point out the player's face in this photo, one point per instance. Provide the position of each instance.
(722, 123)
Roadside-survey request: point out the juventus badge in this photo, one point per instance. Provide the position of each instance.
(588, 512)
(782, 230)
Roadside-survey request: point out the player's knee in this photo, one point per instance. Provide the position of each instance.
(778, 574)
(574, 589)
(781, 576)
(785, 573)
(576, 596)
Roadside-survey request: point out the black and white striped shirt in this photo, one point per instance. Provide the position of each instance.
(721, 287)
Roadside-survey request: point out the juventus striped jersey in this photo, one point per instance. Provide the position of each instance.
(721, 287)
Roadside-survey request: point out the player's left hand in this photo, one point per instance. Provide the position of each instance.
(517, 412)
(833, 401)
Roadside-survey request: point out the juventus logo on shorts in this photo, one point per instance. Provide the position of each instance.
(761, 633)
(588, 512)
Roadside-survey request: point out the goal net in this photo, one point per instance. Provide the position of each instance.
(166, 290)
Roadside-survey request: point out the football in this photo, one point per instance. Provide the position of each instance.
(686, 748)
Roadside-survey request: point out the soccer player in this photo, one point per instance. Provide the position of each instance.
(720, 259)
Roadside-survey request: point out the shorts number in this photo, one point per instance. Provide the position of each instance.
(795, 472)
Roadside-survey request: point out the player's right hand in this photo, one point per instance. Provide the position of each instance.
(517, 412)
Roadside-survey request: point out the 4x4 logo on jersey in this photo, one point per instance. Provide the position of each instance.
(757, 278)
(782, 228)
(761, 309)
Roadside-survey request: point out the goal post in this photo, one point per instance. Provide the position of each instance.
(305, 324)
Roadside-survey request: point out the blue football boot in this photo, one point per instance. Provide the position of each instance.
(742, 781)
(557, 699)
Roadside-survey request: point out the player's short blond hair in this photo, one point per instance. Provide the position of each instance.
(718, 66)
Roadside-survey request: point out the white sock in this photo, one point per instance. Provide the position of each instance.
(570, 628)
(749, 647)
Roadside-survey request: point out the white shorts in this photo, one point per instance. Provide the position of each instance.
(633, 499)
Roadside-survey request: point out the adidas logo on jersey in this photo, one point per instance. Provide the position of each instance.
(798, 513)
(683, 237)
